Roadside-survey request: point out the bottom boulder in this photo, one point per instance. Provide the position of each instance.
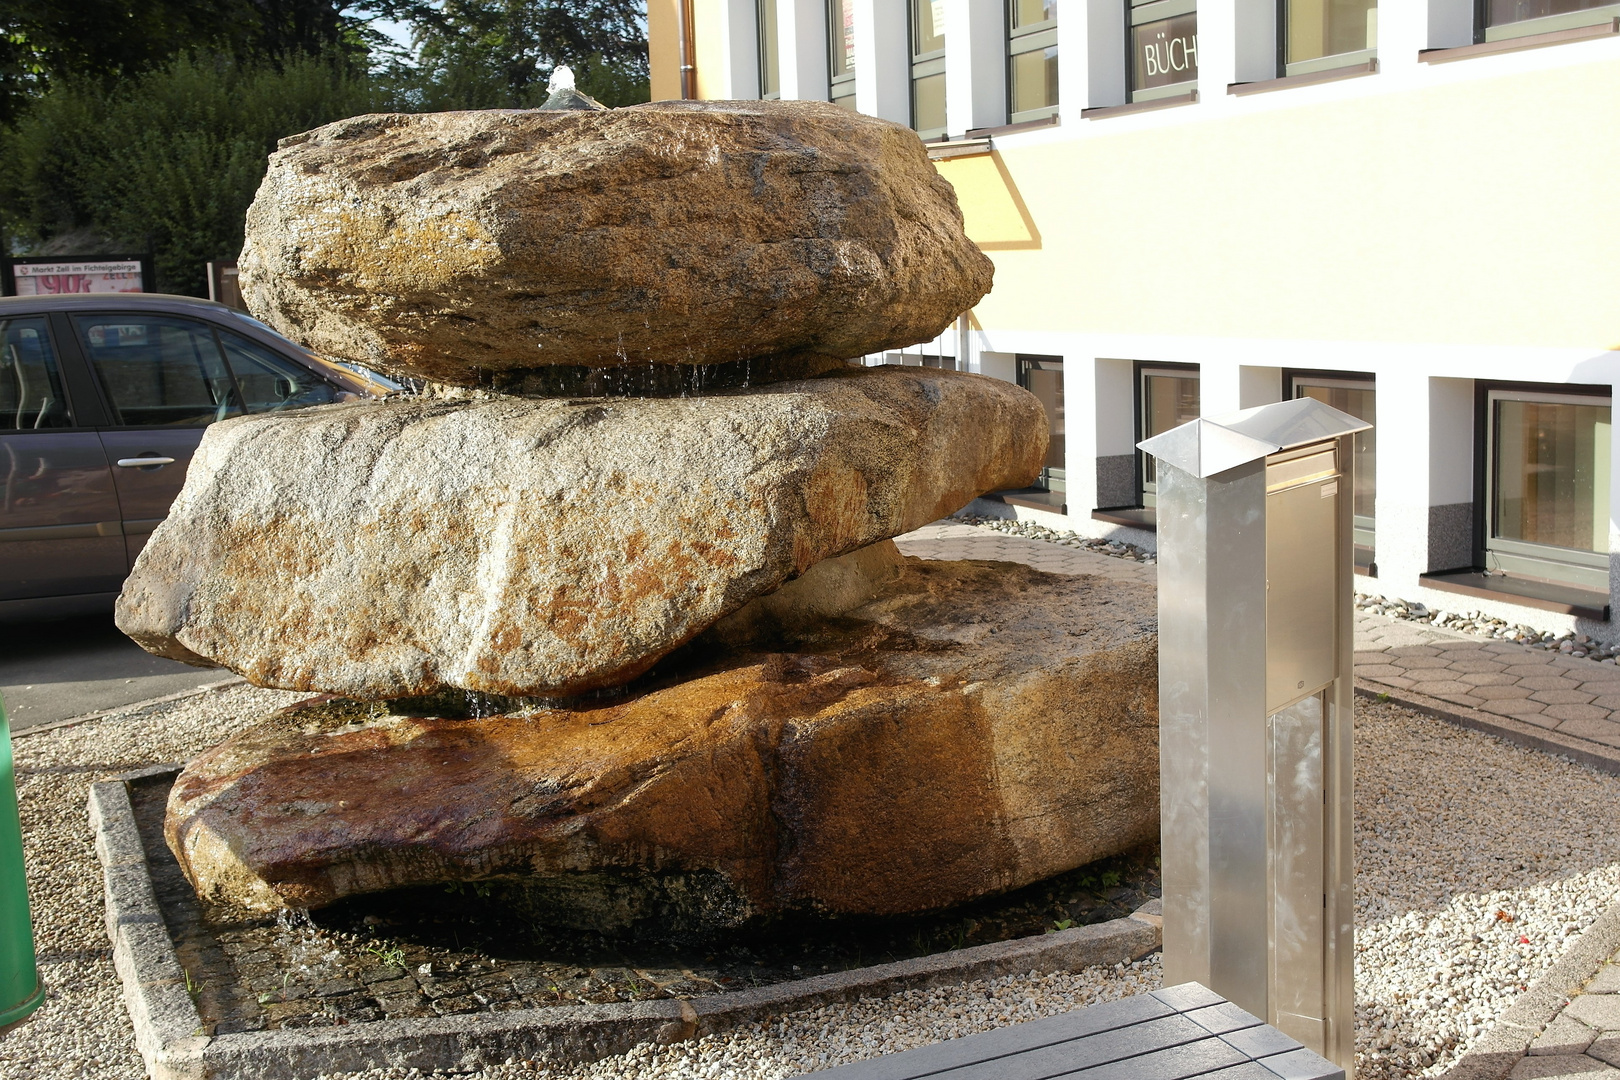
(969, 728)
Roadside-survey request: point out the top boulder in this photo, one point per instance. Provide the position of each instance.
(490, 248)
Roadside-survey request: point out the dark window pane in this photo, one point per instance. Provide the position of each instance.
(1164, 52)
(158, 370)
(31, 395)
(1552, 474)
(1512, 11)
(269, 381)
(1168, 401)
(1044, 379)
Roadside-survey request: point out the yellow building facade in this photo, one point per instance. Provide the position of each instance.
(1195, 207)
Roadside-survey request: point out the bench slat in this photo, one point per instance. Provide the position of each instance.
(1177, 1033)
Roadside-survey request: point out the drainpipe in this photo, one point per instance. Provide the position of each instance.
(962, 342)
(683, 19)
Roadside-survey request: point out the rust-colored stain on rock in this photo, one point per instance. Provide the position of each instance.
(523, 547)
(460, 246)
(970, 728)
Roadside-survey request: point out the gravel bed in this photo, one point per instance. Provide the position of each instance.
(1453, 827)
(1117, 549)
(82, 1030)
(1481, 625)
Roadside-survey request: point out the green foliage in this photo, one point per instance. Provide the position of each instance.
(499, 54)
(166, 162)
(146, 123)
(388, 956)
(104, 40)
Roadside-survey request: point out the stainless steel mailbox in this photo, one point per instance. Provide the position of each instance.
(1255, 700)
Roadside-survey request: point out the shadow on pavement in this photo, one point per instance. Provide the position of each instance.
(52, 671)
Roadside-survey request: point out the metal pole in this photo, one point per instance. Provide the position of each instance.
(683, 17)
(21, 990)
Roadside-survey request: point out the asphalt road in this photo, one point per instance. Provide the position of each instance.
(52, 671)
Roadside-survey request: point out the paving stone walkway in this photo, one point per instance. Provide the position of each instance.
(1561, 704)
(1583, 1039)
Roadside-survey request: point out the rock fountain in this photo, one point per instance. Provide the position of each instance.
(611, 623)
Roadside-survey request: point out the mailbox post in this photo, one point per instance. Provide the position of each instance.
(1255, 699)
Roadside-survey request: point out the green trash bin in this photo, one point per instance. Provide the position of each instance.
(21, 990)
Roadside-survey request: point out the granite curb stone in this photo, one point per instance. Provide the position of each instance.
(1503, 1050)
(169, 1030)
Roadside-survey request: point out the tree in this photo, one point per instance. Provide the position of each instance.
(481, 54)
(166, 162)
(110, 39)
(112, 128)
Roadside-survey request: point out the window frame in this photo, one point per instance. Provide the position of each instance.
(1144, 369)
(840, 88)
(1330, 62)
(1023, 364)
(923, 66)
(766, 48)
(1037, 37)
(110, 408)
(71, 398)
(1486, 32)
(1571, 567)
(1365, 528)
(1165, 9)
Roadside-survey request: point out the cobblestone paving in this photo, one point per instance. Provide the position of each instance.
(1584, 1038)
(1578, 699)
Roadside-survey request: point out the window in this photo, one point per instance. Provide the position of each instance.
(1043, 377)
(268, 382)
(1514, 18)
(159, 371)
(770, 60)
(1354, 394)
(1323, 34)
(1547, 486)
(1167, 397)
(841, 52)
(928, 67)
(31, 396)
(1163, 57)
(1032, 67)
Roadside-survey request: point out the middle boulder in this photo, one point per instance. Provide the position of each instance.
(546, 547)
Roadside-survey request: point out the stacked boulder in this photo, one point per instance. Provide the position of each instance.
(617, 626)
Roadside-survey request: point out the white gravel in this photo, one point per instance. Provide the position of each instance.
(1452, 827)
(82, 1029)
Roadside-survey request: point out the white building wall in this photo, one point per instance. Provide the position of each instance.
(883, 60)
(1049, 226)
(801, 27)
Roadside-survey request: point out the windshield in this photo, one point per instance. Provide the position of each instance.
(383, 382)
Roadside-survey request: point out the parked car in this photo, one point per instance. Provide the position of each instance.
(103, 399)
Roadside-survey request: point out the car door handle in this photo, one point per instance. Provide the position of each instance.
(143, 462)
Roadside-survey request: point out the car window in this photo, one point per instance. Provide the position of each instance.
(158, 370)
(270, 381)
(31, 395)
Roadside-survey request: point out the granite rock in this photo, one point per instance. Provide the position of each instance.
(546, 547)
(967, 729)
(482, 248)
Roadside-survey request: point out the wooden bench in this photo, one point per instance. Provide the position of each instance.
(1171, 1034)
